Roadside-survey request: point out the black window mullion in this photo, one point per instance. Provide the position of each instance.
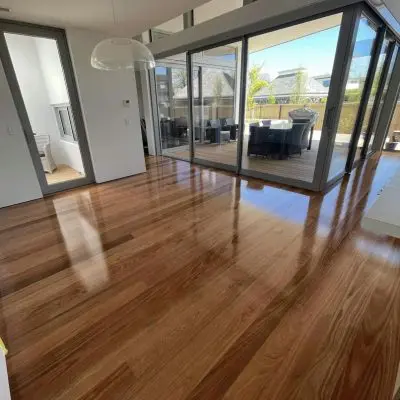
(378, 98)
(365, 96)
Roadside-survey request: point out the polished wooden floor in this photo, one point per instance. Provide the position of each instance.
(188, 283)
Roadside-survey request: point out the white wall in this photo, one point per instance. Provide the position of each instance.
(18, 181)
(52, 70)
(113, 130)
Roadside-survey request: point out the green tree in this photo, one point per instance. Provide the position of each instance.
(299, 89)
(180, 78)
(271, 99)
(353, 95)
(255, 84)
(377, 81)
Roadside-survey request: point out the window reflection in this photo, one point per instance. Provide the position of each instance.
(216, 90)
(371, 100)
(172, 99)
(78, 226)
(359, 67)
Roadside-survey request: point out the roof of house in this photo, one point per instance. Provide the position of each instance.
(282, 86)
(285, 83)
(213, 80)
(265, 76)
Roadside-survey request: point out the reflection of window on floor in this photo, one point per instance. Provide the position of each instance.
(65, 122)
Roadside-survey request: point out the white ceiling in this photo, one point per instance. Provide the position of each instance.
(118, 17)
(294, 32)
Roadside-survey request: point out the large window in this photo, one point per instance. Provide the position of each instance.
(167, 28)
(360, 64)
(172, 99)
(65, 122)
(383, 98)
(392, 142)
(288, 81)
(216, 90)
(371, 100)
(298, 100)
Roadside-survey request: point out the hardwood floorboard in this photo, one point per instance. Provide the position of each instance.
(190, 283)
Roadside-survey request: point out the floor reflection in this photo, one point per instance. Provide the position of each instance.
(78, 225)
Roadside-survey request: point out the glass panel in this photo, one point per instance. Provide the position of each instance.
(371, 100)
(382, 102)
(144, 37)
(167, 28)
(359, 67)
(173, 106)
(392, 142)
(289, 73)
(215, 8)
(216, 90)
(66, 123)
(40, 77)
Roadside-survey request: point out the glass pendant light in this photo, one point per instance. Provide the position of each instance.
(122, 53)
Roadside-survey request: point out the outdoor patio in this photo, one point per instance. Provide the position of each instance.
(296, 167)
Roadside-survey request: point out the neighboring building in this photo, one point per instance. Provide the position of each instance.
(217, 86)
(216, 82)
(286, 85)
(265, 77)
(324, 79)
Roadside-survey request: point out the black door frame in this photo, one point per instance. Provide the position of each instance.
(378, 98)
(59, 36)
(381, 32)
(352, 15)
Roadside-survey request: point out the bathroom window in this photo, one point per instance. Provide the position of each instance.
(65, 122)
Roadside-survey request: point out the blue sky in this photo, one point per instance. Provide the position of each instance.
(315, 52)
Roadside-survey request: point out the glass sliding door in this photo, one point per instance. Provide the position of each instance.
(381, 100)
(216, 95)
(173, 106)
(370, 114)
(288, 82)
(349, 109)
(392, 141)
(36, 64)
